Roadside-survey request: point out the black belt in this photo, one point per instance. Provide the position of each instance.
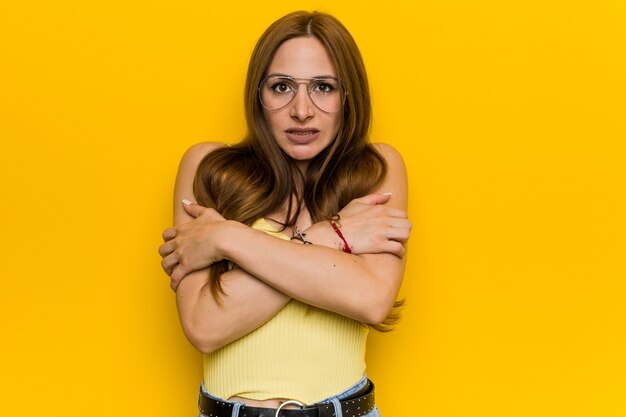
(356, 405)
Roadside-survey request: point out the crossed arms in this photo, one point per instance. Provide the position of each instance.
(362, 285)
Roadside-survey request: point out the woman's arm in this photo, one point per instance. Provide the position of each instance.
(369, 229)
(248, 302)
(361, 287)
(247, 305)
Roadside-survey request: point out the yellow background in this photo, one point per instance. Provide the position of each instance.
(510, 116)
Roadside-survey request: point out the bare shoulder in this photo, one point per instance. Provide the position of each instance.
(183, 188)
(195, 153)
(391, 154)
(395, 181)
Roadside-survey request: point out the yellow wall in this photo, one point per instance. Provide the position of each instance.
(510, 115)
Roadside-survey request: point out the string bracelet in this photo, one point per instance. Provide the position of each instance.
(301, 236)
(345, 247)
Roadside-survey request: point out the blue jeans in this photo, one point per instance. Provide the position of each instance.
(335, 399)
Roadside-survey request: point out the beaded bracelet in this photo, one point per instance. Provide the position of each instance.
(345, 247)
(300, 236)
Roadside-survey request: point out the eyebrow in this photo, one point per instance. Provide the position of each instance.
(277, 74)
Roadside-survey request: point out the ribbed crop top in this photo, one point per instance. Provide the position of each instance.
(302, 353)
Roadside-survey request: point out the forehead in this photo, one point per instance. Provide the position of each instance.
(303, 57)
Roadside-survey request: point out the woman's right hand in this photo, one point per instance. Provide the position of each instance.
(193, 245)
(369, 226)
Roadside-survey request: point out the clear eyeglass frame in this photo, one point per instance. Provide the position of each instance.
(309, 83)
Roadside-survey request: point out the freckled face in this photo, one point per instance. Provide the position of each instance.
(300, 128)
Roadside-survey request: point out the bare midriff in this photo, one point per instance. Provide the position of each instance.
(271, 403)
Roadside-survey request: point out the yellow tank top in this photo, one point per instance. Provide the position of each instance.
(302, 353)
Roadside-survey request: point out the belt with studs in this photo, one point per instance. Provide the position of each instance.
(356, 405)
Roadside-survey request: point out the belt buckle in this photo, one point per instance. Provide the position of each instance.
(298, 403)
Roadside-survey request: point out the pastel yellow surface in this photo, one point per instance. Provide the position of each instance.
(510, 116)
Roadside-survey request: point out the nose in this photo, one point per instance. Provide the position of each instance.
(302, 108)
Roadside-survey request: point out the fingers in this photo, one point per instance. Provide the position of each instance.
(394, 212)
(194, 210)
(176, 270)
(374, 198)
(177, 276)
(395, 248)
(392, 247)
(169, 233)
(168, 263)
(167, 248)
(398, 230)
(170, 258)
(173, 263)
(174, 284)
(380, 199)
(398, 223)
(398, 234)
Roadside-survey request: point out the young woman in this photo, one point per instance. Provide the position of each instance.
(288, 246)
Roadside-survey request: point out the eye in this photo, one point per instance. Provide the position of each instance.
(281, 87)
(324, 87)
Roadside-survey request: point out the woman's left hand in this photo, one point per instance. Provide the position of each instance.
(191, 246)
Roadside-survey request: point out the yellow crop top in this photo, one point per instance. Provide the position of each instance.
(302, 353)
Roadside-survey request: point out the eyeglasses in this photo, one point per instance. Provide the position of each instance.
(277, 91)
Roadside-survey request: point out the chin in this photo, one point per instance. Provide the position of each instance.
(302, 155)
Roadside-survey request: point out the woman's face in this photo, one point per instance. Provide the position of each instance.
(301, 129)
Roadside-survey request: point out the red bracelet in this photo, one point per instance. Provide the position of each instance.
(346, 247)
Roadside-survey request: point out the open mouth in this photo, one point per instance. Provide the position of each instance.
(302, 132)
(302, 136)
